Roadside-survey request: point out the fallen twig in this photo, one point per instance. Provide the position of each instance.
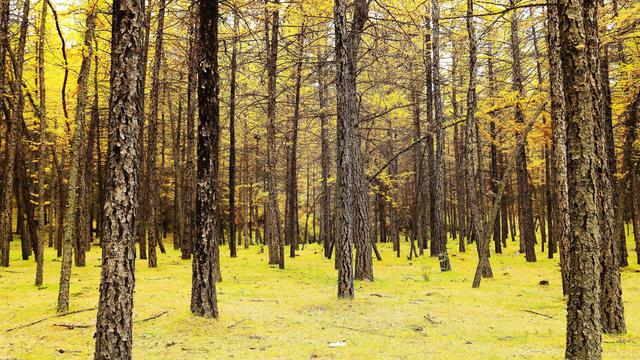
(537, 313)
(236, 323)
(429, 319)
(152, 317)
(361, 330)
(73, 326)
(50, 317)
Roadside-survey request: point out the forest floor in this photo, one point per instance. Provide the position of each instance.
(411, 311)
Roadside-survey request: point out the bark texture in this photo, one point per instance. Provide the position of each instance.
(114, 320)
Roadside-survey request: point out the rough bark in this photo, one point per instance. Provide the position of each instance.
(579, 76)
(203, 289)
(114, 320)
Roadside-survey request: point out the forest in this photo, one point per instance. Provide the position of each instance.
(319, 179)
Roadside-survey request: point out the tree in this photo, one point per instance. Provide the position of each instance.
(477, 220)
(272, 225)
(438, 231)
(114, 320)
(558, 146)
(346, 44)
(42, 150)
(77, 156)
(525, 206)
(232, 138)
(152, 181)
(579, 76)
(203, 289)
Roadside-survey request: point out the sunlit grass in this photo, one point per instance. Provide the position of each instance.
(295, 314)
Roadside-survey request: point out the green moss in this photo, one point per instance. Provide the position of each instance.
(295, 314)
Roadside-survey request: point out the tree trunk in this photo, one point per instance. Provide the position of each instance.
(13, 139)
(325, 162)
(438, 231)
(272, 227)
(203, 290)
(291, 215)
(579, 74)
(42, 149)
(477, 220)
(77, 157)
(525, 205)
(232, 139)
(114, 320)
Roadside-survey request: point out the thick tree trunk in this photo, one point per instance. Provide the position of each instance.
(114, 321)
(579, 74)
(349, 213)
(203, 290)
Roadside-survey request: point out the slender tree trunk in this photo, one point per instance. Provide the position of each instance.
(70, 231)
(558, 147)
(42, 149)
(477, 220)
(152, 193)
(325, 200)
(525, 206)
(272, 227)
(291, 216)
(232, 139)
(438, 230)
(186, 247)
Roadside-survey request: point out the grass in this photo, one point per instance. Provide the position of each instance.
(411, 311)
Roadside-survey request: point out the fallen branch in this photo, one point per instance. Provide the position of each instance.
(50, 317)
(73, 326)
(363, 331)
(537, 313)
(152, 317)
(432, 321)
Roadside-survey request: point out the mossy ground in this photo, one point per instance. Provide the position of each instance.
(411, 311)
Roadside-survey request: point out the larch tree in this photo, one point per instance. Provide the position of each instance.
(203, 289)
(438, 231)
(114, 336)
(70, 231)
(525, 206)
(346, 43)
